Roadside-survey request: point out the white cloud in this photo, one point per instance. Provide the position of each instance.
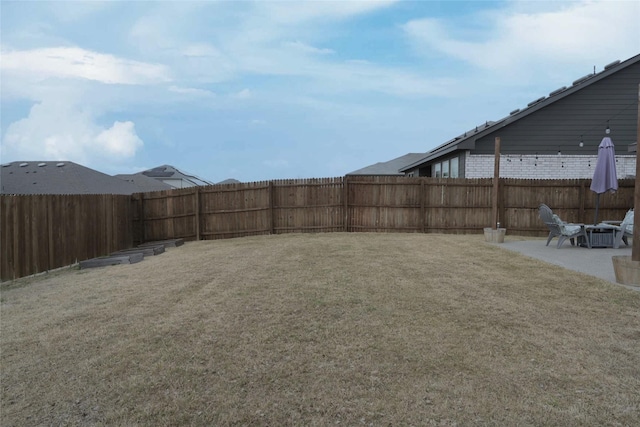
(362, 76)
(163, 25)
(60, 131)
(301, 12)
(161, 35)
(74, 62)
(525, 40)
(279, 39)
(200, 50)
(75, 11)
(191, 91)
(202, 61)
(305, 48)
(120, 140)
(243, 94)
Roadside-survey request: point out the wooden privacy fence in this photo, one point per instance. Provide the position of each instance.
(43, 232)
(370, 204)
(235, 210)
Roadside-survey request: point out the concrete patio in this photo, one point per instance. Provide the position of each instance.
(595, 262)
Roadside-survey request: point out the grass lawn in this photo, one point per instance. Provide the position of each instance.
(321, 329)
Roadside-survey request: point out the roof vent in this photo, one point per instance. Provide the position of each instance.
(24, 164)
(517, 110)
(557, 91)
(613, 64)
(581, 79)
(41, 164)
(59, 164)
(535, 102)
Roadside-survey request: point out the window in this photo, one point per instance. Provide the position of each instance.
(449, 168)
(445, 169)
(454, 168)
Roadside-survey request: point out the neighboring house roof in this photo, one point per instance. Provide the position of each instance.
(60, 177)
(168, 173)
(144, 183)
(468, 139)
(392, 167)
(228, 181)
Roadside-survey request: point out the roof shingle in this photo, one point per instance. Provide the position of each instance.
(60, 177)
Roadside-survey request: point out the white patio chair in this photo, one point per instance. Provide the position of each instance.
(563, 230)
(624, 230)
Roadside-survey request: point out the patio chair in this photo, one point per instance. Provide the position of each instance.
(561, 229)
(624, 230)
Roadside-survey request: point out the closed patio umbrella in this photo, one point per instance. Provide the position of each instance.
(604, 176)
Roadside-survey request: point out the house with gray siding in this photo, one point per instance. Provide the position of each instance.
(555, 136)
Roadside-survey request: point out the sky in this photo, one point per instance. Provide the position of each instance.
(262, 90)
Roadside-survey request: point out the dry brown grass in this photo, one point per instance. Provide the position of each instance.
(325, 329)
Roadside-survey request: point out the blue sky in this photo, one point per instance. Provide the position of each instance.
(271, 90)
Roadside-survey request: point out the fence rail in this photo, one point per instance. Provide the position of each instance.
(40, 233)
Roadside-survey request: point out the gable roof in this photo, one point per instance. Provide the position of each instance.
(144, 183)
(468, 139)
(392, 167)
(61, 177)
(168, 172)
(228, 181)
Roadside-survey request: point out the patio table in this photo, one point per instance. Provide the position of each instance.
(600, 235)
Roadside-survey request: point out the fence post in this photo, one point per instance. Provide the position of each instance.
(581, 201)
(496, 178)
(115, 232)
(345, 197)
(196, 208)
(50, 243)
(141, 219)
(502, 203)
(423, 221)
(170, 224)
(272, 228)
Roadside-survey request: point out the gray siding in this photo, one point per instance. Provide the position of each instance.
(585, 112)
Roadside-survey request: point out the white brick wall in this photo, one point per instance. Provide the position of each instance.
(544, 166)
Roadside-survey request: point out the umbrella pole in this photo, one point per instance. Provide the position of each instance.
(595, 220)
